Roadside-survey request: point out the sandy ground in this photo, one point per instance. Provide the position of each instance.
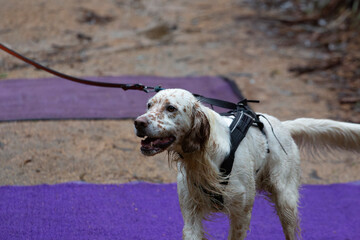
(154, 37)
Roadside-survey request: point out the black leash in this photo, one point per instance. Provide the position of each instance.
(124, 86)
(140, 87)
(244, 117)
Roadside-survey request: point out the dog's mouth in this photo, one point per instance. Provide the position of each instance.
(154, 145)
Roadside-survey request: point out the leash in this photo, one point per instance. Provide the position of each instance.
(244, 117)
(123, 86)
(140, 87)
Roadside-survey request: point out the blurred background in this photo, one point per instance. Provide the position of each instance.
(301, 58)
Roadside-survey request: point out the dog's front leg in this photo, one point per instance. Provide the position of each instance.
(192, 215)
(193, 229)
(241, 201)
(240, 214)
(239, 224)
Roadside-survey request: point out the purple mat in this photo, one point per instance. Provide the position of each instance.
(151, 211)
(55, 98)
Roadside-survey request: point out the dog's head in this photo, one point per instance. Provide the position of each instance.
(175, 121)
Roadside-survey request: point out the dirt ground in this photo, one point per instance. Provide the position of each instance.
(153, 37)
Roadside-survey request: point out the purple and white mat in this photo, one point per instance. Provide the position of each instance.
(139, 210)
(55, 98)
(151, 211)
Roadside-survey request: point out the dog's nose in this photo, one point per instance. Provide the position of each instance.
(141, 122)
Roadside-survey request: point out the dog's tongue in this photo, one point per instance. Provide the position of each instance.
(155, 142)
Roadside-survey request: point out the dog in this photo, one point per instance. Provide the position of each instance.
(198, 140)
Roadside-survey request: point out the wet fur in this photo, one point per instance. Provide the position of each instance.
(202, 143)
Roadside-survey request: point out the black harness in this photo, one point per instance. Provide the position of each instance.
(244, 118)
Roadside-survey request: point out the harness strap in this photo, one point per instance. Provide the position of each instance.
(244, 118)
(224, 104)
(238, 129)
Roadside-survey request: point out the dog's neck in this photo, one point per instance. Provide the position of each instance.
(202, 167)
(217, 146)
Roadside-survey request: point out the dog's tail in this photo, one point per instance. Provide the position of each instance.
(324, 135)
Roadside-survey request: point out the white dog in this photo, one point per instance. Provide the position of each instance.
(198, 139)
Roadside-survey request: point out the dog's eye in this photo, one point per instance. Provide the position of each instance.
(149, 105)
(171, 108)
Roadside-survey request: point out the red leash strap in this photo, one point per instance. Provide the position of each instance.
(79, 80)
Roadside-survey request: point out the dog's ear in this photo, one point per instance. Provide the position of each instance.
(199, 133)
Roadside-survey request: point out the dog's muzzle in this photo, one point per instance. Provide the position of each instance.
(151, 145)
(141, 124)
